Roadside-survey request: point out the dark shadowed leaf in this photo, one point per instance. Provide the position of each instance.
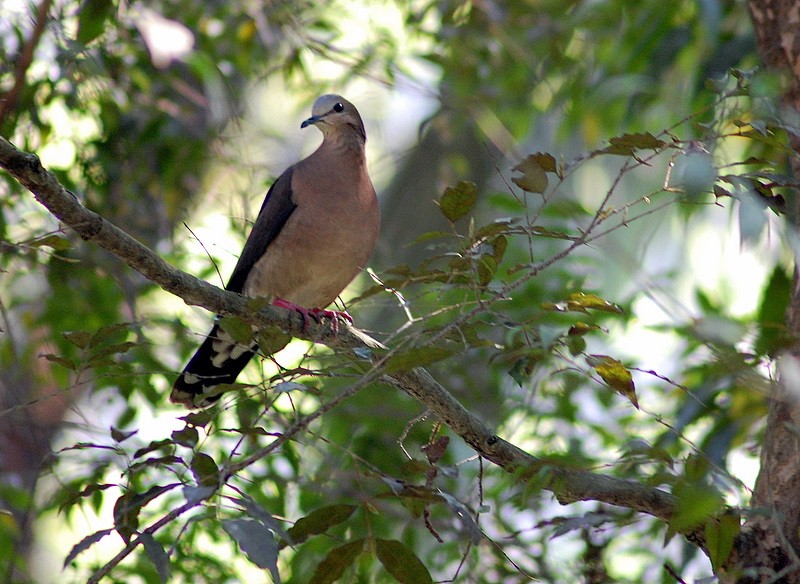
(63, 361)
(436, 449)
(78, 338)
(126, 516)
(627, 144)
(401, 562)
(199, 419)
(319, 521)
(85, 544)
(157, 555)
(186, 437)
(205, 470)
(336, 562)
(92, 19)
(120, 436)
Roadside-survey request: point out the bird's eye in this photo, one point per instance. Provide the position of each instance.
(338, 107)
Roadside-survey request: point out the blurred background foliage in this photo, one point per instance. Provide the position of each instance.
(592, 307)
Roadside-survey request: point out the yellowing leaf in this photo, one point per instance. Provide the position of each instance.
(615, 374)
(582, 302)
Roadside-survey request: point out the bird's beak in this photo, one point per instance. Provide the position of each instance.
(310, 121)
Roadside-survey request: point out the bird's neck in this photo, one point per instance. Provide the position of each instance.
(345, 144)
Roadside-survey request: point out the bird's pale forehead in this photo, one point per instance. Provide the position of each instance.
(325, 103)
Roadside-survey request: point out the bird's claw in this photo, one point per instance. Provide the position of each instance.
(315, 313)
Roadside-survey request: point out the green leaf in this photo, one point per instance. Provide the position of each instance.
(772, 333)
(336, 562)
(721, 532)
(582, 328)
(100, 354)
(752, 218)
(534, 171)
(57, 242)
(615, 375)
(238, 329)
(457, 201)
(205, 470)
(401, 562)
(319, 521)
(194, 495)
(257, 542)
(486, 268)
(157, 555)
(78, 338)
(92, 19)
(576, 345)
(272, 339)
(695, 173)
(186, 437)
(545, 232)
(626, 144)
(416, 357)
(85, 544)
(696, 503)
(120, 435)
(257, 512)
(126, 515)
(63, 361)
(199, 419)
(495, 227)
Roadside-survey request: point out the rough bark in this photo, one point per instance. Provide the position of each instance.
(767, 550)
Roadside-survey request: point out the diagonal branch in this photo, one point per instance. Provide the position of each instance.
(568, 485)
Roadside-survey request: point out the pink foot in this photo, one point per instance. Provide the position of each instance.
(316, 313)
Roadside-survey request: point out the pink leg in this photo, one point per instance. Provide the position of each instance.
(316, 313)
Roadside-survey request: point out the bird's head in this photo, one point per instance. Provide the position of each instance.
(334, 115)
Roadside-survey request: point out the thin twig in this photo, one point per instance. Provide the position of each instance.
(24, 60)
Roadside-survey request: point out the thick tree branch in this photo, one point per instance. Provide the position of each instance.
(772, 541)
(568, 485)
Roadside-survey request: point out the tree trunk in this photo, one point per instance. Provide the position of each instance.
(771, 536)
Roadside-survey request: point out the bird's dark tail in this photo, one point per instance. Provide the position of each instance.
(219, 360)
